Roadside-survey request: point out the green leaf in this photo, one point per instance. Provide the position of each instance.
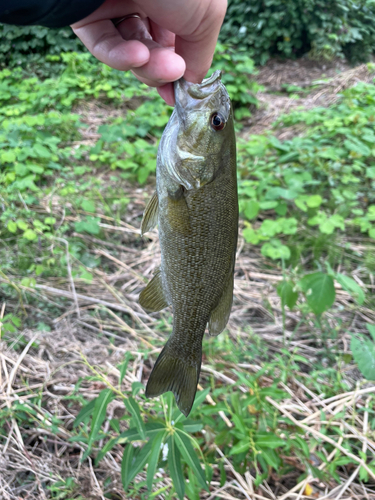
(89, 225)
(85, 412)
(314, 201)
(133, 409)
(200, 397)
(187, 451)
(30, 235)
(12, 227)
(98, 417)
(270, 457)
(88, 206)
(319, 291)
(251, 209)
(154, 457)
(124, 366)
(268, 440)
(364, 354)
(174, 464)
(126, 465)
(140, 461)
(351, 287)
(287, 294)
(240, 447)
(371, 329)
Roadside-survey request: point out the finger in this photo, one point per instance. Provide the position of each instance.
(166, 92)
(197, 49)
(104, 42)
(163, 65)
(163, 37)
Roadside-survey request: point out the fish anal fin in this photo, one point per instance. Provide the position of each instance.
(172, 373)
(220, 315)
(152, 298)
(150, 215)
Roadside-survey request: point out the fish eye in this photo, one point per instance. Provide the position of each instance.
(217, 121)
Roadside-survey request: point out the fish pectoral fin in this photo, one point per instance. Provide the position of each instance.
(152, 298)
(177, 375)
(150, 215)
(220, 315)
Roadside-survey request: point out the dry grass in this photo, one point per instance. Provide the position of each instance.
(52, 369)
(91, 327)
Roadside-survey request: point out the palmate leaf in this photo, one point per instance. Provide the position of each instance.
(174, 464)
(187, 451)
(154, 457)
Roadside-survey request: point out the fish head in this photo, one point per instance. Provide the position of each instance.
(201, 126)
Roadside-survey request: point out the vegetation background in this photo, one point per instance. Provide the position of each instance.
(286, 406)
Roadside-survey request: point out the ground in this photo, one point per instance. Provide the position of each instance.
(41, 457)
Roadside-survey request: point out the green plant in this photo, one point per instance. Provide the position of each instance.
(363, 350)
(293, 28)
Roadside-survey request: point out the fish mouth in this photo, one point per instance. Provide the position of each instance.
(184, 89)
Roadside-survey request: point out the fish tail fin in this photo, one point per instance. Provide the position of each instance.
(171, 373)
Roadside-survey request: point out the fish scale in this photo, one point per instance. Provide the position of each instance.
(196, 208)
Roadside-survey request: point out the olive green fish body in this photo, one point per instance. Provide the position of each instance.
(198, 225)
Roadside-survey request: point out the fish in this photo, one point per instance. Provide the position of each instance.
(196, 208)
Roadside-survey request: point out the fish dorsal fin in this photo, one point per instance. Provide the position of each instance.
(220, 315)
(152, 298)
(150, 215)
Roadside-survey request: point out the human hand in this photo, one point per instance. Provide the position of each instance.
(174, 38)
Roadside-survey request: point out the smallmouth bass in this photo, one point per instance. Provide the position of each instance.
(196, 207)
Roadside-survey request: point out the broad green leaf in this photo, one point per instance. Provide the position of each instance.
(240, 447)
(30, 235)
(188, 452)
(351, 287)
(12, 227)
(133, 409)
(364, 354)
(85, 412)
(174, 464)
(319, 291)
(268, 440)
(126, 465)
(371, 329)
(270, 457)
(287, 294)
(314, 201)
(88, 206)
(154, 457)
(251, 209)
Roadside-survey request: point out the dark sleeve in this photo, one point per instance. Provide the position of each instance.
(50, 13)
